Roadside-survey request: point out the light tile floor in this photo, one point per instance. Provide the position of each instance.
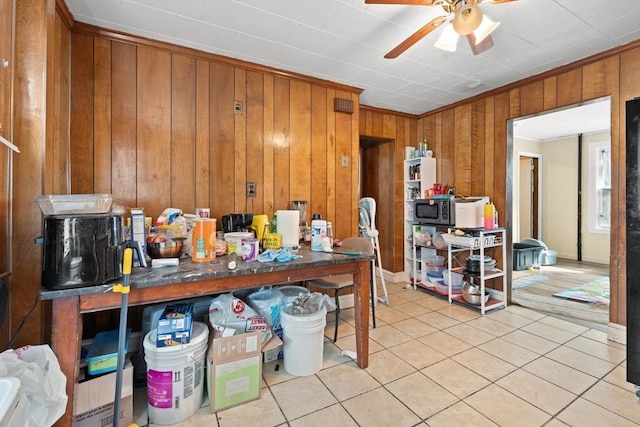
(435, 364)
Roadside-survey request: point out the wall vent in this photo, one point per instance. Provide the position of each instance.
(343, 105)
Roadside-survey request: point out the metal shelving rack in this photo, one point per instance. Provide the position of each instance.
(486, 239)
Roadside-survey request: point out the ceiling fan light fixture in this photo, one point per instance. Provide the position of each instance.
(485, 28)
(448, 40)
(467, 19)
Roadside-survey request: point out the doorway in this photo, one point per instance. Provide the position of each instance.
(377, 176)
(551, 170)
(529, 203)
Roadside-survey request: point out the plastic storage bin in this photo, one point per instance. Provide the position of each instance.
(103, 354)
(525, 256)
(73, 204)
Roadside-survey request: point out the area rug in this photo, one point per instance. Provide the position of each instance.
(595, 291)
(528, 280)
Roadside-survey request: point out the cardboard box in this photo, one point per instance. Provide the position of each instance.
(93, 406)
(272, 349)
(234, 369)
(174, 325)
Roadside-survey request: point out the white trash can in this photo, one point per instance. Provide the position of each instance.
(303, 341)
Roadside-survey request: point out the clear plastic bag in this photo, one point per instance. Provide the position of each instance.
(229, 315)
(42, 383)
(312, 303)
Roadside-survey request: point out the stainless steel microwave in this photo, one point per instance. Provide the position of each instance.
(440, 211)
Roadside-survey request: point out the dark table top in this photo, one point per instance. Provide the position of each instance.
(189, 271)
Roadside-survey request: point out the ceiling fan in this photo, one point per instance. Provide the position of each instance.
(463, 18)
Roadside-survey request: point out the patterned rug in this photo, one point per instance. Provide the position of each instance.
(528, 280)
(595, 291)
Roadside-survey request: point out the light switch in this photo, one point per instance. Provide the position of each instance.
(345, 161)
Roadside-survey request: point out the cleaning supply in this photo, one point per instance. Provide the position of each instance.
(318, 232)
(489, 216)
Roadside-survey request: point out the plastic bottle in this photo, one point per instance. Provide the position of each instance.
(318, 232)
(489, 216)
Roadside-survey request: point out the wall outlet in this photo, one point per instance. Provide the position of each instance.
(251, 189)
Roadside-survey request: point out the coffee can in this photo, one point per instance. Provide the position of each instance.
(249, 249)
(203, 212)
(204, 240)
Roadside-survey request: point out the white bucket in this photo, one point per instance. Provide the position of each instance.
(303, 337)
(175, 376)
(292, 292)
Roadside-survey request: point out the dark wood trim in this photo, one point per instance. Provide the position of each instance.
(387, 111)
(65, 14)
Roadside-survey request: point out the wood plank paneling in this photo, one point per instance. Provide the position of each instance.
(281, 149)
(240, 142)
(183, 133)
(6, 41)
(629, 89)
(268, 145)
(569, 87)
(202, 152)
(81, 134)
(29, 133)
(319, 196)
(123, 125)
(478, 148)
(300, 147)
(462, 143)
(532, 96)
(153, 129)
(550, 92)
(102, 116)
(221, 147)
(255, 138)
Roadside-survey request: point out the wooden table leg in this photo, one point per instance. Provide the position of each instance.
(361, 307)
(66, 339)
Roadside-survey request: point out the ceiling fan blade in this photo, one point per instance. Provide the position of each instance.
(416, 37)
(404, 2)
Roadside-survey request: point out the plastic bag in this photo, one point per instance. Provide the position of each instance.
(43, 385)
(268, 303)
(229, 315)
(312, 303)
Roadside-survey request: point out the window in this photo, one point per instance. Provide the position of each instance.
(599, 201)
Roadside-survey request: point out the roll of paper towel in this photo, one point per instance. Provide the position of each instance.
(289, 226)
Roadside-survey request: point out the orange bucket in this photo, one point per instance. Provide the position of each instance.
(204, 240)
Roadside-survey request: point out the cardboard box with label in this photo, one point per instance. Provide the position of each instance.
(93, 406)
(174, 325)
(234, 369)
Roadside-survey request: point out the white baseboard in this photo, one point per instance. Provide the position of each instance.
(617, 333)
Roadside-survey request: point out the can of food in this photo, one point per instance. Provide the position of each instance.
(204, 240)
(250, 248)
(203, 212)
(272, 241)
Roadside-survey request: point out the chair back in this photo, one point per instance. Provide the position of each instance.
(359, 244)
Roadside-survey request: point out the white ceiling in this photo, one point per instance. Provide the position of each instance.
(588, 118)
(345, 40)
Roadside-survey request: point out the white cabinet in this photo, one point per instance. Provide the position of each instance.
(419, 175)
(482, 240)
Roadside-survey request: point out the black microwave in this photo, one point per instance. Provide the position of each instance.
(435, 211)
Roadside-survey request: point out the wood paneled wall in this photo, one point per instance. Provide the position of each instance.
(6, 156)
(471, 139)
(154, 125)
(382, 168)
